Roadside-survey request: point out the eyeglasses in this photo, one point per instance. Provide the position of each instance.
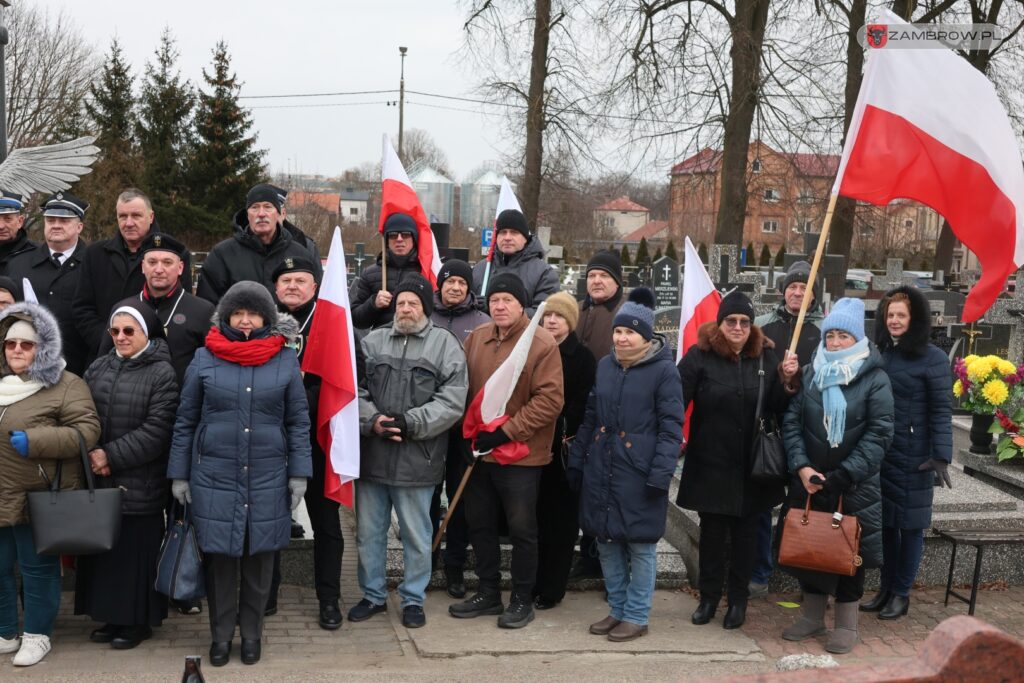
(403, 235)
(737, 322)
(11, 344)
(128, 331)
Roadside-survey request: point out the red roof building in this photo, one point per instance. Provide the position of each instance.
(621, 214)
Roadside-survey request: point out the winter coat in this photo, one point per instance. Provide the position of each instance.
(52, 418)
(421, 376)
(109, 273)
(8, 250)
(723, 388)
(364, 288)
(579, 371)
(869, 423)
(136, 399)
(922, 387)
(537, 399)
(305, 240)
(244, 257)
(55, 288)
(779, 324)
(595, 325)
(626, 450)
(531, 265)
(460, 319)
(240, 434)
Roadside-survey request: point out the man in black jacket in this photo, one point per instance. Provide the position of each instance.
(54, 268)
(112, 269)
(259, 245)
(13, 238)
(372, 304)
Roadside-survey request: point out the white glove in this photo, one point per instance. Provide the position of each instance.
(181, 491)
(297, 486)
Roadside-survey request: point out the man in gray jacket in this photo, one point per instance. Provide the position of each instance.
(412, 391)
(521, 253)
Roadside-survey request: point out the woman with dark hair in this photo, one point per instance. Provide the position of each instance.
(922, 443)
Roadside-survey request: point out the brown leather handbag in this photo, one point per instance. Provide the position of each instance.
(821, 541)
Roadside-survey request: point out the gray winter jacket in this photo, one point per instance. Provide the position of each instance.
(460, 320)
(421, 376)
(530, 264)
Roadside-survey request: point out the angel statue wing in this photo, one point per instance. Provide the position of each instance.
(48, 168)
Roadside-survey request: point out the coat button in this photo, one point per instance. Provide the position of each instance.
(622, 435)
(245, 505)
(248, 388)
(629, 445)
(246, 429)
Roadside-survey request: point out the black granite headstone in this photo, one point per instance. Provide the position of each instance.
(666, 282)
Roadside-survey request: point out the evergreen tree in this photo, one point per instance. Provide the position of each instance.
(780, 258)
(626, 261)
(702, 251)
(750, 254)
(225, 162)
(766, 256)
(642, 256)
(110, 105)
(657, 253)
(670, 251)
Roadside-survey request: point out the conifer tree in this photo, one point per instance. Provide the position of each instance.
(766, 256)
(626, 261)
(642, 256)
(670, 251)
(702, 252)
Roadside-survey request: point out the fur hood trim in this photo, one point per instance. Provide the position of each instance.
(918, 336)
(286, 326)
(710, 338)
(48, 365)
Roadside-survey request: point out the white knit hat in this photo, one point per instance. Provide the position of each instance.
(22, 330)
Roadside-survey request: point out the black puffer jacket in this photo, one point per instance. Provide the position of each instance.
(365, 287)
(136, 399)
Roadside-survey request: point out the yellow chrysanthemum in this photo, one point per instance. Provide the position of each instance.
(978, 369)
(995, 391)
(993, 361)
(958, 388)
(970, 359)
(1005, 367)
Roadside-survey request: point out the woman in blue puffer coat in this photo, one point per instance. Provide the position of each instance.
(622, 462)
(240, 455)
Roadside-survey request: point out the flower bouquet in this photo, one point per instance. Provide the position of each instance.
(984, 383)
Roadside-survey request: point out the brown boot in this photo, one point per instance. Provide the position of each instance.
(626, 631)
(603, 627)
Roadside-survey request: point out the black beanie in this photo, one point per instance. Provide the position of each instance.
(11, 286)
(400, 222)
(735, 303)
(510, 219)
(509, 283)
(456, 267)
(264, 193)
(418, 285)
(608, 261)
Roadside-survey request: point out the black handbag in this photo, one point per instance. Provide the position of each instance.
(179, 567)
(77, 522)
(768, 459)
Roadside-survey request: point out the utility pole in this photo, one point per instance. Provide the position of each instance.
(3, 85)
(401, 103)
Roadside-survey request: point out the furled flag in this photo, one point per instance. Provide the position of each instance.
(398, 196)
(487, 411)
(929, 127)
(700, 304)
(331, 355)
(506, 200)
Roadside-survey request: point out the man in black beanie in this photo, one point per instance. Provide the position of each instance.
(520, 252)
(372, 303)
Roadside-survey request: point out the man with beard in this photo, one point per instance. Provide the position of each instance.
(371, 298)
(13, 238)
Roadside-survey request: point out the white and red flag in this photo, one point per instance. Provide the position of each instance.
(506, 200)
(487, 411)
(398, 196)
(700, 300)
(331, 355)
(929, 127)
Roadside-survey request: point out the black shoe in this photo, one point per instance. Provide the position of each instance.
(297, 530)
(456, 582)
(330, 615)
(220, 653)
(518, 614)
(103, 634)
(478, 605)
(876, 603)
(735, 616)
(364, 609)
(413, 616)
(250, 651)
(130, 636)
(705, 612)
(586, 568)
(542, 603)
(897, 607)
(190, 606)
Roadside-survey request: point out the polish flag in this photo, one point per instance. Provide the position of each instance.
(331, 355)
(506, 200)
(398, 196)
(700, 304)
(487, 411)
(929, 127)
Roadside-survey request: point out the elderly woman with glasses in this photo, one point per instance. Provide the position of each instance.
(136, 395)
(720, 375)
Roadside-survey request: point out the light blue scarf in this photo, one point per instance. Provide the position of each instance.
(832, 370)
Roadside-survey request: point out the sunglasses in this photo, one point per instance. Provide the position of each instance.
(11, 344)
(403, 235)
(128, 331)
(737, 322)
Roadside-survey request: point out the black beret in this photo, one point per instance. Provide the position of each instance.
(294, 265)
(161, 241)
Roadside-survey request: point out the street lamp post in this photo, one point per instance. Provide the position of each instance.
(3, 85)
(401, 102)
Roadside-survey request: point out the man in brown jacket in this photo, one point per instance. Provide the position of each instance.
(533, 408)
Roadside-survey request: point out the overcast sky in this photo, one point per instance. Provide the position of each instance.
(316, 46)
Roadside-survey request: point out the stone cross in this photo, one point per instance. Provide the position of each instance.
(1011, 312)
(720, 255)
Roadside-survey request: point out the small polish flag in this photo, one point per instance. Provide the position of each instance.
(700, 305)
(398, 196)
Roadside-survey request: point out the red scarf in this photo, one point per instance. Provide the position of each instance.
(252, 352)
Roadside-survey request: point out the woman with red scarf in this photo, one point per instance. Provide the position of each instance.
(240, 457)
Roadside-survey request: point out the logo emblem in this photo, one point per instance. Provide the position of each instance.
(288, 263)
(877, 35)
(157, 239)
(59, 196)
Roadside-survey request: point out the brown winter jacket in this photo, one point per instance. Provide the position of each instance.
(537, 400)
(594, 328)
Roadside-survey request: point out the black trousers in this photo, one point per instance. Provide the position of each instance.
(492, 487)
(727, 539)
(558, 527)
(456, 534)
(227, 603)
(848, 589)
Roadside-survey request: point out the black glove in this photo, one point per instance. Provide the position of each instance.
(941, 468)
(399, 422)
(466, 451)
(488, 441)
(837, 481)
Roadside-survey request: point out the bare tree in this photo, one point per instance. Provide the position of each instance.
(419, 146)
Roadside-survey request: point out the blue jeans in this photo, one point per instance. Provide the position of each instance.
(629, 572)
(40, 580)
(763, 564)
(373, 519)
(901, 556)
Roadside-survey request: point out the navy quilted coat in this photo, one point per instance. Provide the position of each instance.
(626, 449)
(241, 432)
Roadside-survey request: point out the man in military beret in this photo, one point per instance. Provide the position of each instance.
(13, 238)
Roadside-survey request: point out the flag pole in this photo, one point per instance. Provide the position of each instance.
(384, 262)
(822, 238)
(451, 506)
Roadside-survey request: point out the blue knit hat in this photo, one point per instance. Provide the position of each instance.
(846, 315)
(637, 314)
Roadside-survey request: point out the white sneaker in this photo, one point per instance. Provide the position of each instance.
(33, 648)
(9, 646)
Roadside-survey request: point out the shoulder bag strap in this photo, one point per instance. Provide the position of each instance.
(760, 389)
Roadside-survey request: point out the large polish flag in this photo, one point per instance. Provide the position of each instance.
(487, 411)
(929, 127)
(331, 355)
(506, 200)
(700, 304)
(398, 196)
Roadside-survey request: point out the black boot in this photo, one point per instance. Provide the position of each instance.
(330, 615)
(705, 612)
(220, 653)
(456, 582)
(876, 603)
(897, 607)
(735, 616)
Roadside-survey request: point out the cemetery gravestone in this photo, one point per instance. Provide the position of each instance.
(666, 282)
